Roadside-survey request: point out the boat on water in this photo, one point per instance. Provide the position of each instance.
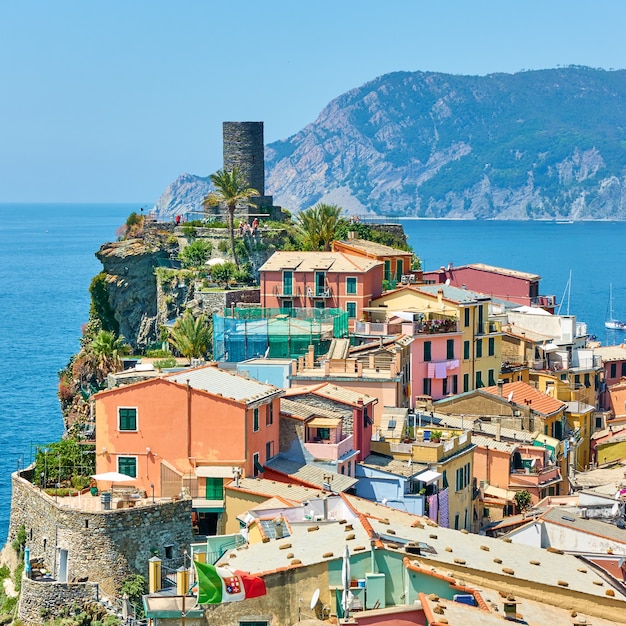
(611, 323)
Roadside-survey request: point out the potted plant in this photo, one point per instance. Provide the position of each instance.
(435, 436)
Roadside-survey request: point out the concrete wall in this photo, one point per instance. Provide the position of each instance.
(104, 546)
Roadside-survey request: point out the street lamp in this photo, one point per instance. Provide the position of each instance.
(152, 487)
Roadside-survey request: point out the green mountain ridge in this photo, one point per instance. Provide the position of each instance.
(546, 144)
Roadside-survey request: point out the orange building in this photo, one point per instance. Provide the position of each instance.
(188, 432)
(320, 280)
(396, 263)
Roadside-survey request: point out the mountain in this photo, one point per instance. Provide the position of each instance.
(531, 145)
(546, 144)
(183, 196)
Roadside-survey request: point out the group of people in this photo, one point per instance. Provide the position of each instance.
(248, 229)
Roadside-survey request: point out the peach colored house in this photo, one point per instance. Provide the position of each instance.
(320, 280)
(613, 360)
(396, 263)
(187, 432)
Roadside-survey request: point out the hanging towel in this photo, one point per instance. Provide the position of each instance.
(452, 365)
(441, 370)
(444, 509)
(432, 507)
(431, 370)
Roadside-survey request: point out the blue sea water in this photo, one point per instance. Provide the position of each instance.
(47, 262)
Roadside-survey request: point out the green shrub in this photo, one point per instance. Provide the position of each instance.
(165, 363)
(222, 246)
(215, 224)
(189, 230)
(196, 254)
(160, 353)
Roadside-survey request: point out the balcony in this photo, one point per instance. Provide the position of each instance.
(331, 451)
(326, 292)
(537, 478)
(279, 291)
(543, 301)
(377, 329)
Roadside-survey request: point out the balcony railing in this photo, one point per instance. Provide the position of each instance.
(318, 292)
(331, 451)
(534, 478)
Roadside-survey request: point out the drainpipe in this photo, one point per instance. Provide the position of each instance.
(188, 419)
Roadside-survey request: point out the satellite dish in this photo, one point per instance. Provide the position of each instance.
(510, 396)
(315, 598)
(447, 283)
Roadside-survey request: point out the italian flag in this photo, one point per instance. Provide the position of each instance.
(218, 584)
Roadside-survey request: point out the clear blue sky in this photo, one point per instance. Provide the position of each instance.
(111, 101)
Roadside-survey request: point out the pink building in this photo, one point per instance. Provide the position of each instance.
(320, 280)
(435, 362)
(497, 282)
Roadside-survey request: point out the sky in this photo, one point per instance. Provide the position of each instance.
(112, 101)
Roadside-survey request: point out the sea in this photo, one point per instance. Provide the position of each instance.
(47, 260)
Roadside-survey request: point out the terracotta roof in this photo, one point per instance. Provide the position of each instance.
(304, 411)
(299, 261)
(525, 395)
(611, 353)
(371, 247)
(332, 392)
(492, 269)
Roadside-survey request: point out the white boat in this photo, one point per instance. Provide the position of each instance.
(611, 323)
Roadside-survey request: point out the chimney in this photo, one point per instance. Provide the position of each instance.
(500, 388)
(498, 429)
(440, 296)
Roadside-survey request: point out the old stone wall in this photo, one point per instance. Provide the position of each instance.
(40, 601)
(102, 546)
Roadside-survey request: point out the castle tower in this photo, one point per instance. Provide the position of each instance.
(244, 149)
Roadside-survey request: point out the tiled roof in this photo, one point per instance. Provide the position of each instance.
(371, 247)
(273, 488)
(611, 353)
(591, 526)
(492, 444)
(502, 270)
(454, 294)
(219, 382)
(486, 429)
(525, 395)
(332, 392)
(322, 261)
(304, 411)
(393, 466)
(311, 474)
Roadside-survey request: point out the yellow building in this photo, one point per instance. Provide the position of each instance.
(481, 343)
(450, 453)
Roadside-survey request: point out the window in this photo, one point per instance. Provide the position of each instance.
(490, 378)
(466, 317)
(444, 387)
(351, 309)
(465, 383)
(127, 419)
(269, 450)
(479, 348)
(455, 384)
(351, 285)
(287, 283)
(577, 379)
(598, 423)
(169, 552)
(255, 420)
(492, 346)
(613, 373)
(269, 415)
(320, 283)
(450, 349)
(214, 489)
(587, 381)
(623, 369)
(426, 386)
(323, 434)
(481, 320)
(255, 464)
(257, 623)
(387, 274)
(466, 350)
(399, 269)
(479, 380)
(127, 465)
(427, 350)
(319, 304)
(444, 479)
(456, 521)
(287, 304)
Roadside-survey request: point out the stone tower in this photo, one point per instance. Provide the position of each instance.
(244, 149)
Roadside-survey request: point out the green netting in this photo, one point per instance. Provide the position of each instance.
(245, 333)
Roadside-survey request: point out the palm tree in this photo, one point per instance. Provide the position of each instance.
(231, 189)
(317, 226)
(100, 357)
(192, 337)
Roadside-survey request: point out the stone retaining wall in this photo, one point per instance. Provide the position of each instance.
(40, 601)
(102, 546)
